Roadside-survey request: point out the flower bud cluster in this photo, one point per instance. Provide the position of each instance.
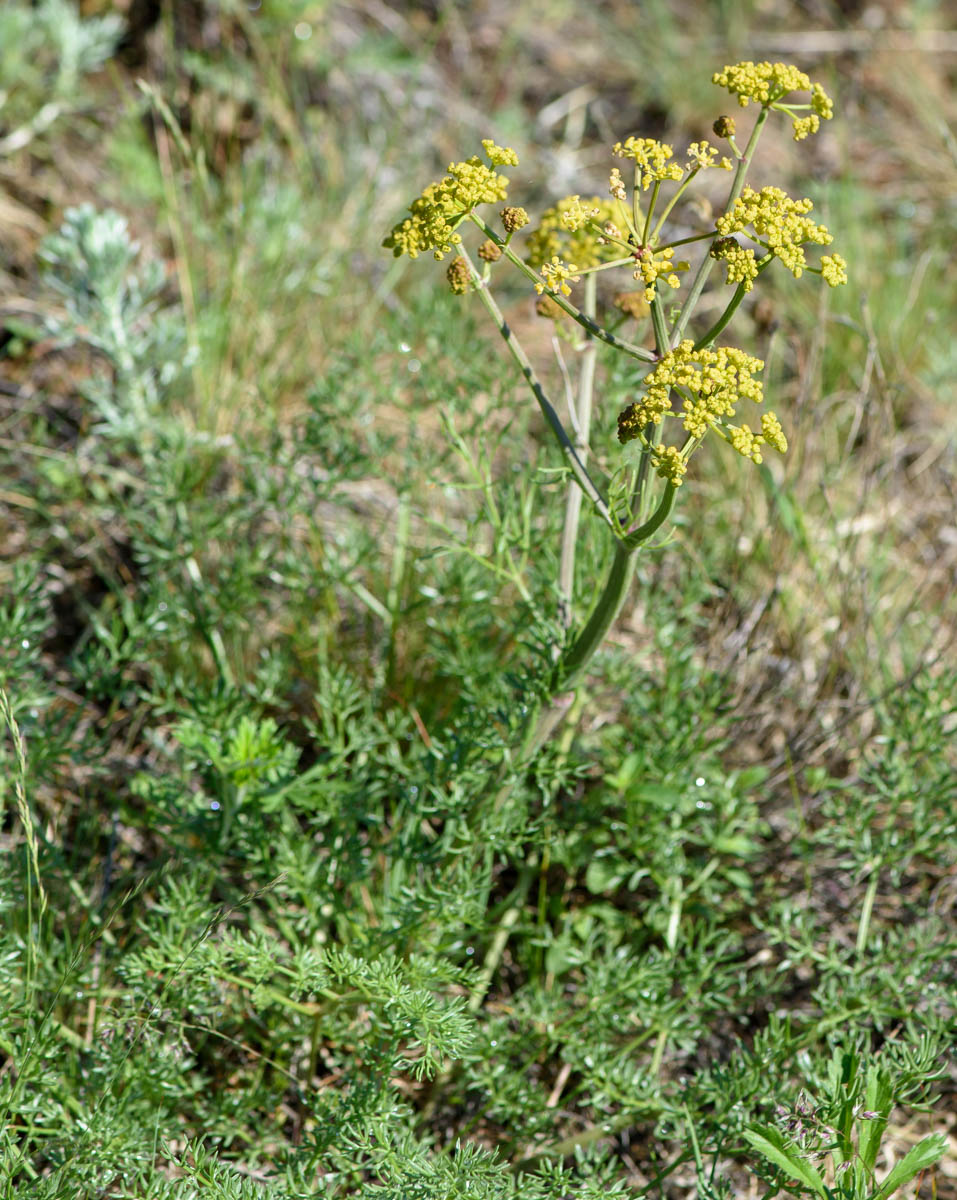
(748, 444)
(834, 270)
(710, 383)
(458, 276)
(768, 83)
(440, 208)
(740, 263)
(779, 223)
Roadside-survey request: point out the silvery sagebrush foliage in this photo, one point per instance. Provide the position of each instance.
(45, 49)
(112, 303)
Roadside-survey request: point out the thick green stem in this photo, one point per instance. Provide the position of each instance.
(733, 304)
(576, 658)
(706, 339)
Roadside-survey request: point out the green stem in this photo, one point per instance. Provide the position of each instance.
(706, 339)
(704, 270)
(658, 324)
(733, 304)
(637, 536)
(573, 500)
(645, 233)
(867, 908)
(578, 468)
(576, 658)
(652, 433)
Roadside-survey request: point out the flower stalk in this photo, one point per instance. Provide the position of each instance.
(691, 386)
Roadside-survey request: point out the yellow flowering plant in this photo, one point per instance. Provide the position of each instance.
(692, 387)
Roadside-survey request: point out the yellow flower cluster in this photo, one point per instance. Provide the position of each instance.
(557, 276)
(499, 156)
(566, 229)
(779, 222)
(652, 264)
(768, 83)
(748, 444)
(652, 157)
(669, 463)
(740, 263)
(702, 155)
(834, 270)
(437, 212)
(763, 82)
(710, 382)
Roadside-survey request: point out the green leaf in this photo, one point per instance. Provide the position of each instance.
(917, 1159)
(878, 1097)
(771, 1144)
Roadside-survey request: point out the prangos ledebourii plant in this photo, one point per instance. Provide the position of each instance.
(692, 387)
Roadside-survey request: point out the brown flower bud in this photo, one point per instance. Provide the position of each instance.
(513, 219)
(720, 246)
(459, 276)
(629, 424)
(724, 127)
(545, 306)
(489, 252)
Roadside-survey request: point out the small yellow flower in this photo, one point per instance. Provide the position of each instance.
(583, 245)
(653, 265)
(577, 214)
(557, 276)
(616, 185)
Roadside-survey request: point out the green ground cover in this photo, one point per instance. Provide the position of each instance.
(283, 915)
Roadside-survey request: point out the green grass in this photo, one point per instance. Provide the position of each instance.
(282, 914)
